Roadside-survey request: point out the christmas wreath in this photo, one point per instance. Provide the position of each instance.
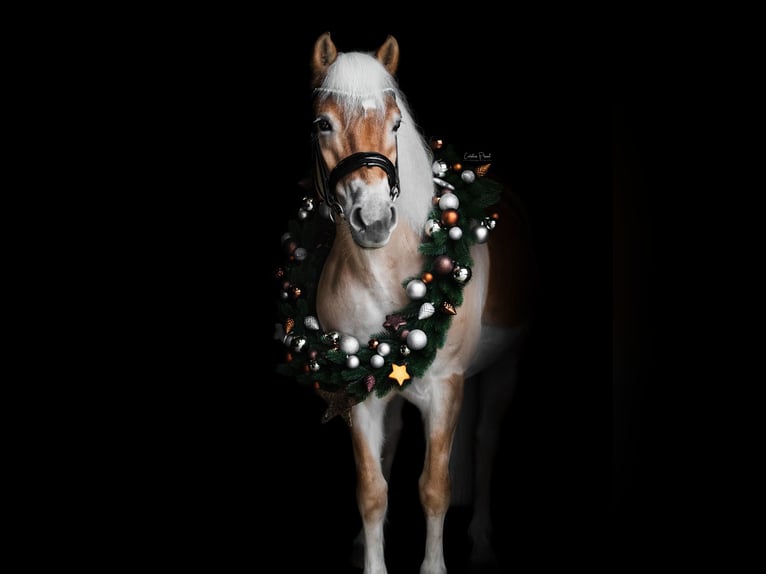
(343, 370)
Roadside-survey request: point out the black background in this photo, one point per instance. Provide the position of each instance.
(243, 469)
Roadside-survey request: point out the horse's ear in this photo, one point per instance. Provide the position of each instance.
(388, 54)
(325, 53)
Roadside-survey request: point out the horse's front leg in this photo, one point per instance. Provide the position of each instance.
(440, 417)
(372, 488)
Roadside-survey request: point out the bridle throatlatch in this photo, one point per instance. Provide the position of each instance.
(327, 182)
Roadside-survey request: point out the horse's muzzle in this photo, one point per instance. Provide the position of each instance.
(372, 228)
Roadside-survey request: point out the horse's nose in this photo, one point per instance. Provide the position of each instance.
(366, 224)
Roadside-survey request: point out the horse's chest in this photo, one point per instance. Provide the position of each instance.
(356, 310)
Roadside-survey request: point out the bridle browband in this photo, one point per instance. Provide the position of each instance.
(326, 182)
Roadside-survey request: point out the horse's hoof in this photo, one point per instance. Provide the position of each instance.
(482, 560)
(483, 568)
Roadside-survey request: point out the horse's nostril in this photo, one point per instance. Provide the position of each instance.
(356, 219)
(393, 216)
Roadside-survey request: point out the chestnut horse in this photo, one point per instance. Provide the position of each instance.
(378, 181)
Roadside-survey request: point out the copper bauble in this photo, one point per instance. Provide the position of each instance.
(443, 265)
(449, 217)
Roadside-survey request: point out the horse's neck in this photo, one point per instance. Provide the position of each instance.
(358, 287)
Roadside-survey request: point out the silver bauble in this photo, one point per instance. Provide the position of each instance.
(480, 233)
(468, 176)
(383, 349)
(416, 289)
(331, 338)
(300, 253)
(299, 342)
(352, 361)
(349, 344)
(439, 168)
(417, 339)
(377, 361)
(432, 226)
(449, 201)
(461, 273)
(455, 233)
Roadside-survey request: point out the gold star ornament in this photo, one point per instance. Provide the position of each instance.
(399, 373)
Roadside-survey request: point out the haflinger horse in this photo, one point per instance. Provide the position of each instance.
(378, 182)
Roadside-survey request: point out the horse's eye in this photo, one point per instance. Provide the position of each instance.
(323, 125)
(397, 125)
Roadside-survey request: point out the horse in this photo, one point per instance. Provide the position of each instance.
(403, 238)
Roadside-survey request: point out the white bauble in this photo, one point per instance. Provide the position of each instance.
(417, 339)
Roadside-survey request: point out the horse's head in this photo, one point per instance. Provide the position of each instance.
(355, 134)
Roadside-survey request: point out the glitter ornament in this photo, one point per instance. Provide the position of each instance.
(426, 310)
(468, 176)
